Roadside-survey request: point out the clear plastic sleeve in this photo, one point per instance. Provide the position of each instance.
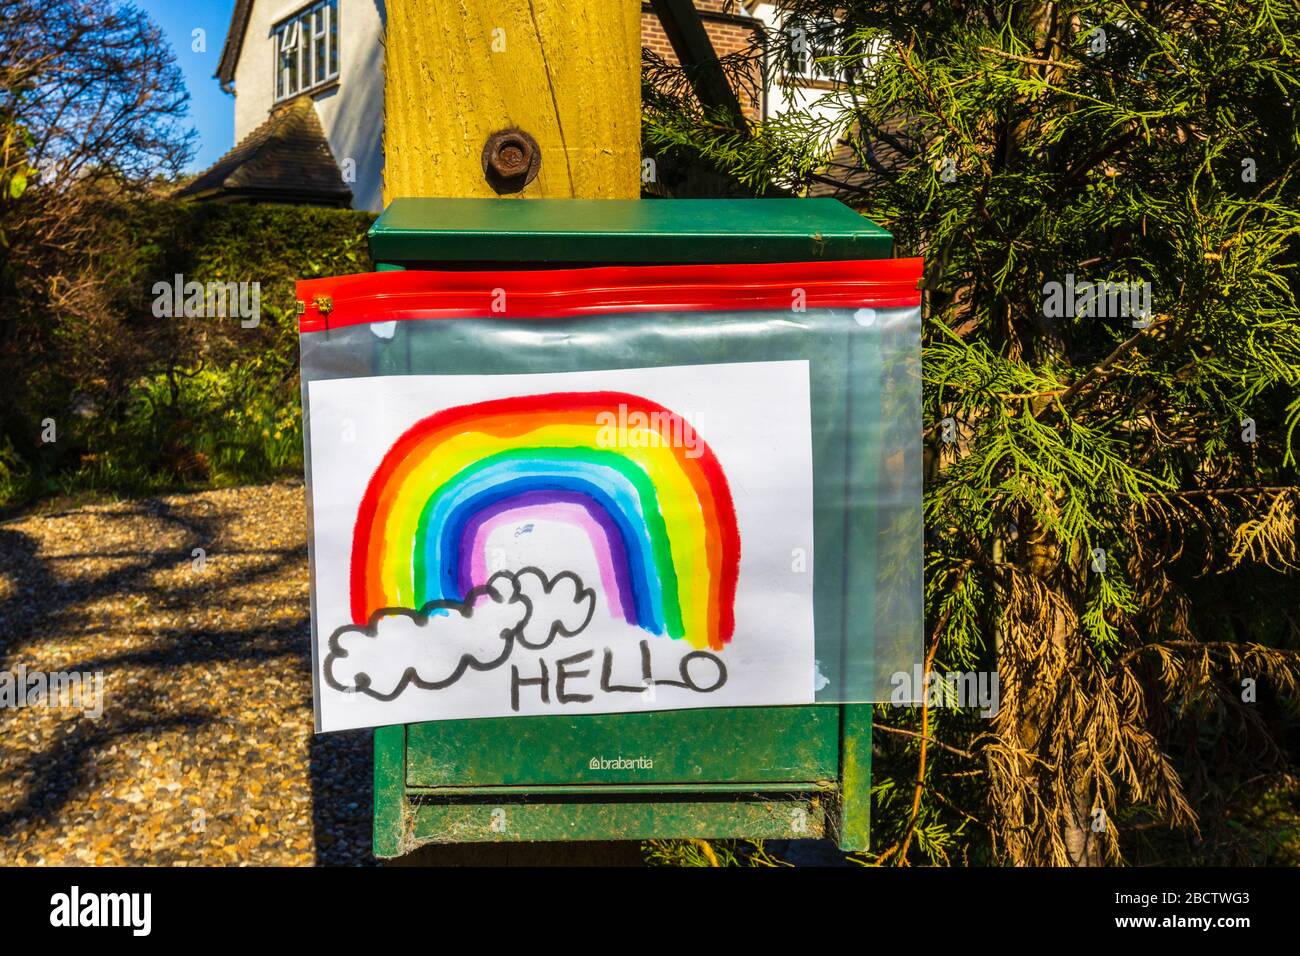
(796, 406)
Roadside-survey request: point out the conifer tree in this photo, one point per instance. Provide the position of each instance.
(1106, 196)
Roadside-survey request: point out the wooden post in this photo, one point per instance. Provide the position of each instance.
(567, 72)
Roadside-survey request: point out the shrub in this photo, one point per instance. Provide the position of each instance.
(145, 401)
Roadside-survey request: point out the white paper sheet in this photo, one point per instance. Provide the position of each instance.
(483, 653)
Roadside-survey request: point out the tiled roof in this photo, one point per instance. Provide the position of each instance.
(867, 157)
(286, 159)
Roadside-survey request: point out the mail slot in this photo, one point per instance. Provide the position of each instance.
(615, 514)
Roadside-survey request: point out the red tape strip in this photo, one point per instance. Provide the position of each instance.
(602, 290)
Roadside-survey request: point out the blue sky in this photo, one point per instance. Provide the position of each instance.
(212, 112)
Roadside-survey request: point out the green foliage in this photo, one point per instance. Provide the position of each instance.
(16, 172)
(15, 168)
(708, 853)
(144, 401)
(1014, 145)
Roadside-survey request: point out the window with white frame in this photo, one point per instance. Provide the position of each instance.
(306, 49)
(807, 42)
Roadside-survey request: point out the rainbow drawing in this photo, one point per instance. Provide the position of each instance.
(659, 515)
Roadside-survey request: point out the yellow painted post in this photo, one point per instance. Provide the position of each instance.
(567, 72)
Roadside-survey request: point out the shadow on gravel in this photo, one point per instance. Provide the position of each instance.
(342, 797)
(42, 603)
(41, 596)
(60, 770)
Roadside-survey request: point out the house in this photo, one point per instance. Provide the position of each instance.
(308, 85)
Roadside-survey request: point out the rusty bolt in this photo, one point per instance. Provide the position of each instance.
(510, 160)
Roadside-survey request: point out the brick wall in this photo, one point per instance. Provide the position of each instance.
(728, 31)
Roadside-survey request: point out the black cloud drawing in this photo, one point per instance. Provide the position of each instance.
(434, 647)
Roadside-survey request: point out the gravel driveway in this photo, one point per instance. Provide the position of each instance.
(204, 752)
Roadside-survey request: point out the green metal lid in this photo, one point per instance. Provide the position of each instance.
(429, 231)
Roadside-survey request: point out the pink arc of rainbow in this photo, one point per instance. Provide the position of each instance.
(485, 524)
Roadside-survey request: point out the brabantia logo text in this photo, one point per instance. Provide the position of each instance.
(621, 763)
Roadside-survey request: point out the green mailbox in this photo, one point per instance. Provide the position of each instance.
(799, 771)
